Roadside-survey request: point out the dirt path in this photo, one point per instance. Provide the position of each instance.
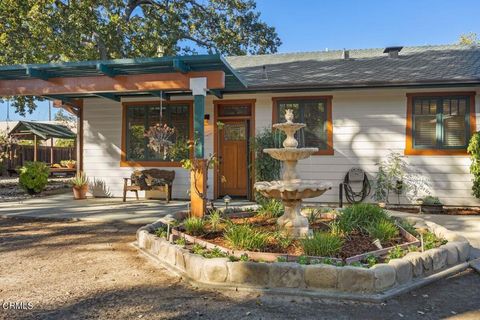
(84, 270)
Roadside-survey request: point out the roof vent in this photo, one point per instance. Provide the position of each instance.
(392, 51)
(345, 54)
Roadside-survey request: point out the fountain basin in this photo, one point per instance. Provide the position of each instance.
(290, 126)
(292, 190)
(290, 154)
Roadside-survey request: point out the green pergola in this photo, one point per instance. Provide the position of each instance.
(27, 130)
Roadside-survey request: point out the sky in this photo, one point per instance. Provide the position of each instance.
(313, 25)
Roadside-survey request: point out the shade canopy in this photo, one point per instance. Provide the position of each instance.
(27, 130)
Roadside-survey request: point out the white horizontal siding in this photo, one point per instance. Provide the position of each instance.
(367, 125)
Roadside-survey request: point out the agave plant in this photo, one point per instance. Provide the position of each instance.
(79, 181)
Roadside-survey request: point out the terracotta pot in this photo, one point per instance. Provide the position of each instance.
(80, 193)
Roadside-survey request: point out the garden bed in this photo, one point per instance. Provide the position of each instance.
(255, 236)
(203, 263)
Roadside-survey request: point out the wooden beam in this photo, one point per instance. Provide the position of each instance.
(100, 84)
(217, 93)
(110, 96)
(107, 70)
(71, 107)
(181, 66)
(160, 94)
(35, 73)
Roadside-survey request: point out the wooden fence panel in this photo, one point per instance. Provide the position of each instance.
(21, 154)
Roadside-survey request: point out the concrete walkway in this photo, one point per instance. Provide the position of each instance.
(98, 209)
(132, 211)
(467, 226)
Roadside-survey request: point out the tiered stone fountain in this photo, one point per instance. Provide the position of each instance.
(291, 190)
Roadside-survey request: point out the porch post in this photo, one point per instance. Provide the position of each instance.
(198, 177)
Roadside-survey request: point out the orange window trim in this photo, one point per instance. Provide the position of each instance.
(409, 150)
(123, 152)
(329, 150)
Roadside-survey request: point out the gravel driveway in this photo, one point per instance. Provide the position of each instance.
(85, 270)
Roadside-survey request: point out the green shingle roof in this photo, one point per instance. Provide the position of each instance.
(42, 130)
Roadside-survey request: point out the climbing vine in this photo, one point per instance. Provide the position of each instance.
(474, 151)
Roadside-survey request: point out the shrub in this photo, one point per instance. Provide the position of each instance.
(384, 230)
(474, 151)
(360, 216)
(214, 253)
(161, 232)
(271, 209)
(430, 240)
(395, 253)
(214, 219)
(283, 240)
(194, 226)
(34, 176)
(181, 242)
(431, 201)
(371, 260)
(322, 244)
(313, 214)
(245, 237)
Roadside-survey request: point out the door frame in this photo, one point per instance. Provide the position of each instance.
(251, 119)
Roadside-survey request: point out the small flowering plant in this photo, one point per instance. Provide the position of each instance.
(160, 138)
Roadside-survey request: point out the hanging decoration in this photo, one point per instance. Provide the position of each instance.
(160, 135)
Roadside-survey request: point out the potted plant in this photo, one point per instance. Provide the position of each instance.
(70, 164)
(80, 186)
(431, 205)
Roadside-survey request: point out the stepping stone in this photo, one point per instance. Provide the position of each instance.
(475, 265)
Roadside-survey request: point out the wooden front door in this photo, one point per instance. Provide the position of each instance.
(233, 158)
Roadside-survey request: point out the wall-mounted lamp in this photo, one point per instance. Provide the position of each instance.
(206, 119)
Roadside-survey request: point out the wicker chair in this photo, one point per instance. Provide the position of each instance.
(150, 179)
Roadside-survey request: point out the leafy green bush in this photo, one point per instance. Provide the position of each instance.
(371, 260)
(245, 237)
(266, 167)
(181, 242)
(322, 244)
(194, 226)
(360, 216)
(395, 253)
(383, 230)
(474, 151)
(161, 232)
(431, 201)
(34, 177)
(430, 240)
(214, 253)
(271, 209)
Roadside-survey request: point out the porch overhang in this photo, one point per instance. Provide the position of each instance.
(114, 79)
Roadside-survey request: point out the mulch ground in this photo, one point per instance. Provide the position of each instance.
(86, 270)
(355, 243)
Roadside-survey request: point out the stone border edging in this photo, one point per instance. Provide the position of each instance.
(375, 284)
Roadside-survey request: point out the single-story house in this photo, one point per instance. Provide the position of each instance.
(359, 105)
